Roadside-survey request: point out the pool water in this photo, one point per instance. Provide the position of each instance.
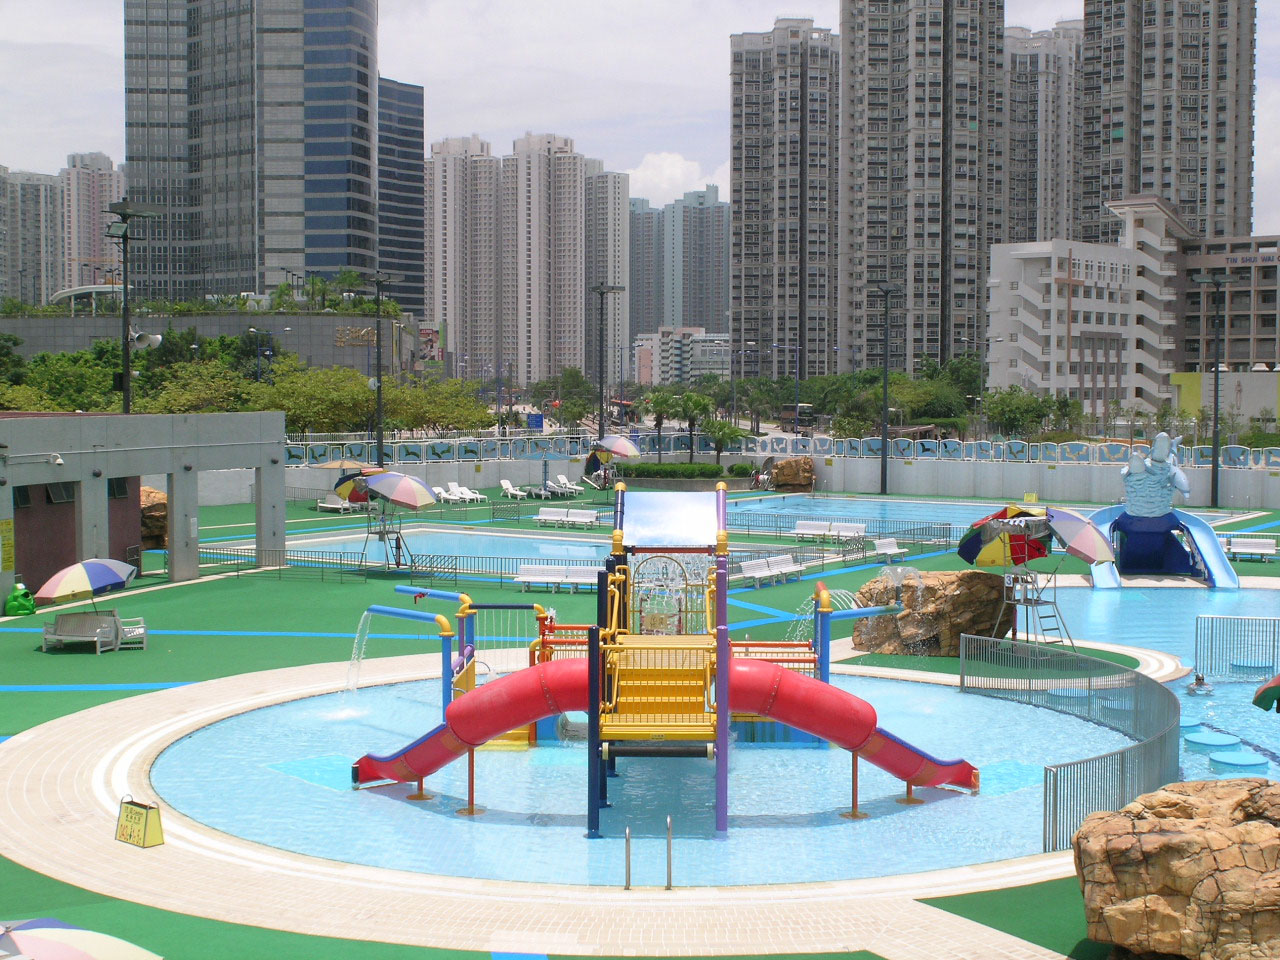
(469, 544)
(291, 767)
(1230, 710)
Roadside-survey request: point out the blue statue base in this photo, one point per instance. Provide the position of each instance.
(1147, 545)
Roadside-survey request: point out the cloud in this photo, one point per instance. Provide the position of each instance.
(663, 177)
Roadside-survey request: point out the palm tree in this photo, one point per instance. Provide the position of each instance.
(722, 433)
(663, 407)
(759, 403)
(694, 407)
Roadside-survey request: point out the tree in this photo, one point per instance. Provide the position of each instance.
(663, 406)
(282, 297)
(722, 434)
(760, 402)
(11, 362)
(208, 387)
(693, 408)
(1016, 411)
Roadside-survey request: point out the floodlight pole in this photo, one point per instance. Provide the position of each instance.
(602, 289)
(119, 230)
(886, 290)
(378, 280)
(1218, 280)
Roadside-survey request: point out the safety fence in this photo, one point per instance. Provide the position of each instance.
(1237, 648)
(570, 446)
(1095, 690)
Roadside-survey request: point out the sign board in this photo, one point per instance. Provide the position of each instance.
(535, 421)
(139, 823)
(6, 545)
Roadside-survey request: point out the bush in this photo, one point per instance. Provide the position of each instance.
(685, 471)
(742, 470)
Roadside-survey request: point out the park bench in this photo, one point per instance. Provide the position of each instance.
(554, 576)
(580, 518)
(785, 565)
(852, 533)
(758, 570)
(889, 549)
(105, 630)
(1260, 547)
(811, 529)
(556, 515)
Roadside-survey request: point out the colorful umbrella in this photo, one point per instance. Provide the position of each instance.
(616, 445)
(85, 579)
(1079, 535)
(1003, 541)
(49, 939)
(1267, 696)
(349, 490)
(343, 464)
(400, 489)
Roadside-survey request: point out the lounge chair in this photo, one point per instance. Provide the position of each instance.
(539, 491)
(511, 492)
(475, 495)
(445, 496)
(569, 484)
(332, 503)
(463, 493)
(558, 489)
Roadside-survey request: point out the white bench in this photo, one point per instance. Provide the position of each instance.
(1260, 547)
(554, 576)
(334, 504)
(811, 530)
(854, 533)
(556, 515)
(888, 548)
(580, 518)
(784, 566)
(758, 570)
(105, 630)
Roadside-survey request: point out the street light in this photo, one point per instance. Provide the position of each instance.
(733, 383)
(119, 230)
(603, 289)
(886, 290)
(984, 349)
(257, 339)
(378, 279)
(1218, 281)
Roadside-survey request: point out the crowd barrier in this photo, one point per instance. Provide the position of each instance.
(571, 446)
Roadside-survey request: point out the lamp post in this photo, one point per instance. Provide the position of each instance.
(1218, 281)
(740, 356)
(983, 346)
(257, 369)
(886, 290)
(378, 280)
(119, 230)
(795, 347)
(603, 289)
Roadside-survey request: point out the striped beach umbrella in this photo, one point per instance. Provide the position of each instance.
(85, 579)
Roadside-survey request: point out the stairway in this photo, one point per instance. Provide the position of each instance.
(659, 689)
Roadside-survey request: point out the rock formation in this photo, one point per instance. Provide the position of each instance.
(1189, 870)
(794, 475)
(939, 607)
(155, 518)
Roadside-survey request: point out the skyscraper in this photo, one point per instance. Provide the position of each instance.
(254, 126)
(1168, 111)
(922, 174)
(608, 243)
(401, 217)
(645, 286)
(90, 181)
(783, 130)
(1044, 126)
(31, 244)
(695, 232)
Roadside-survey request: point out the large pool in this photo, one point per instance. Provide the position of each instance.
(291, 769)
(464, 544)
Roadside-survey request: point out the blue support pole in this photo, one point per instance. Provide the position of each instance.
(593, 729)
(822, 640)
(446, 674)
(428, 592)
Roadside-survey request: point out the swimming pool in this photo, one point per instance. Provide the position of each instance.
(468, 544)
(291, 765)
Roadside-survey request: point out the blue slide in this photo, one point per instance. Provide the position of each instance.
(1148, 545)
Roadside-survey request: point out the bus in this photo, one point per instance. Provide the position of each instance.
(789, 420)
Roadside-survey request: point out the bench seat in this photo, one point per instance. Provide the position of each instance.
(554, 576)
(759, 571)
(1260, 547)
(888, 548)
(104, 629)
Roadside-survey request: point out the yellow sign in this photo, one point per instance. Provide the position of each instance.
(1031, 498)
(139, 824)
(6, 545)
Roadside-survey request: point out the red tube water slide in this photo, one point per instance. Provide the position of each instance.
(490, 710)
(755, 686)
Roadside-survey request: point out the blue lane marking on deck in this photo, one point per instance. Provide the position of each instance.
(86, 687)
(763, 622)
(518, 956)
(757, 607)
(3, 739)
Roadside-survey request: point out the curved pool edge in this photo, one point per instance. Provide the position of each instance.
(60, 821)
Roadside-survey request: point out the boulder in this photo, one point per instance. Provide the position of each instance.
(794, 475)
(938, 607)
(1189, 870)
(155, 518)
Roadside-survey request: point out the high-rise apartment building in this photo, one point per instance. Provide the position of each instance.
(463, 254)
(608, 244)
(253, 126)
(696, 261)
(645, 287)
(508, 256)
(922, 174)
(1168, 111)
(401, 217)
(1044, 125)
(90, 181)
(784, 128)
(31, 235)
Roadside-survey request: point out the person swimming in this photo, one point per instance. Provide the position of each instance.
(1199, 686)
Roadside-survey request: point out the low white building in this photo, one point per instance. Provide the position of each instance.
(1094, 321)
(680, 355)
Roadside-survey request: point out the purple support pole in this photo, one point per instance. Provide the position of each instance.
(722, 695)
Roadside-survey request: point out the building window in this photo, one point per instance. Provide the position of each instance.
(60, 492)
(117, 488)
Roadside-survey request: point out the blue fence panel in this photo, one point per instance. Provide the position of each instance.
(1112, 452)
(440, 450)
(982, 450)
(777, 445)
(357, 451)
(900, 448)
(1034, 452)
(1019, 451)
(952, 450)
(800, 446)
(871, 446)
(408, 453)
(1234, 455)
(1074, 452)
(295, 454)
(1201, 456)
(1048, 452)
(1141, 449)
(750, 444)
(1271, 457)
(822, 445)
(488, 449)
(467, 450)
(926, 449)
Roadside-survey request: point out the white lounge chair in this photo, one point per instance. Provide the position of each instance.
(511, 492)
(538, 491)
(462, 492)
(445, 496)
(558, 489)
(569, 484)
(476, 495)
(332, 503)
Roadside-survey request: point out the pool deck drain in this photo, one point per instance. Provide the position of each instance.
(61, 784)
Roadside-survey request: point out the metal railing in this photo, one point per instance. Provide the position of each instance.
(1095, 690)
(1237, 648)
(781, 525)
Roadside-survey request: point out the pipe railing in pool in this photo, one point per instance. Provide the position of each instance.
(1094, 690)
(1237, 648)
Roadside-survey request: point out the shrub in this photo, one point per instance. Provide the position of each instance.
(687, 471)
(742, 470)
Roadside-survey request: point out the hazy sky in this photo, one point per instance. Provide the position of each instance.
(641, 84)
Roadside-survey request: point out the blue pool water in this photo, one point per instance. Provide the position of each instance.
(469, 544)
(291, 767)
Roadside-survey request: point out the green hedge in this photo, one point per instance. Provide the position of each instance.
(742, 470)
(686, 471)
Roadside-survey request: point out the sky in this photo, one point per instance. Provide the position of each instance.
(641, 84)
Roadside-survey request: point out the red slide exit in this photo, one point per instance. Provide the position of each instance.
(755, 686)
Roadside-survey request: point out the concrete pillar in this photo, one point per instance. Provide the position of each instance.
(92, 535)
(183, 489)
(269, 513)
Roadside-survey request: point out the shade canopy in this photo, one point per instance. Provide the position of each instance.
(617, 445)
(1023, 532)
(51, 939)
(400, 489)
(85, 579)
